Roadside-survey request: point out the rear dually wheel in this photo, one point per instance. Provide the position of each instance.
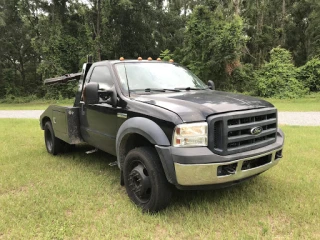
(53, 144)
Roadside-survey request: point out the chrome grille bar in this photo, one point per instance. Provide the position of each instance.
(232, 132)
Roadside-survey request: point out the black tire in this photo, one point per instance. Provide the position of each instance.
(53, 144)
(145, 180)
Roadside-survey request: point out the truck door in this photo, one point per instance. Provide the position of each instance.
(98, 122)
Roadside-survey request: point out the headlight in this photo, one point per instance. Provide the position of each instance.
(190, 135)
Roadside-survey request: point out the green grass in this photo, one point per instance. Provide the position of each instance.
(310, 103)
(78, 196)
(35, 105)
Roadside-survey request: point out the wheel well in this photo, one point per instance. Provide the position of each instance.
(129, 142)
(44, 120)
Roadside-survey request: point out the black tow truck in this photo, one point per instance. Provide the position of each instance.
(166, 128)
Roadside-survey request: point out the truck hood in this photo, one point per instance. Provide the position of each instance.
(194, 106)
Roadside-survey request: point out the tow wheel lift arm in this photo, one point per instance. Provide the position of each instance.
(63, 79)
(70, 76)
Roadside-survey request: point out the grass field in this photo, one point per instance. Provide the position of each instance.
(35, 105)
(78, 196)
(309, 103)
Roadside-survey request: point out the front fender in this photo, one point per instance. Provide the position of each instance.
(143, 126)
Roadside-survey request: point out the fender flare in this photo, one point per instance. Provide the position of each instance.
(46, 115)
(143, 126)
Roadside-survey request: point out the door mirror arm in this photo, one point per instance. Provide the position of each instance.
(211, 85)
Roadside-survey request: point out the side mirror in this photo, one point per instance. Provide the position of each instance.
(211, 85)
(91, 93)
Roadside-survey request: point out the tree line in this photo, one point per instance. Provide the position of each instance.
(269, 48)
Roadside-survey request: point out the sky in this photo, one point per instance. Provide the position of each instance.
(84, 1)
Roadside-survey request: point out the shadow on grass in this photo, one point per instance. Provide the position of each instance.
(78, 155)
(257, 190)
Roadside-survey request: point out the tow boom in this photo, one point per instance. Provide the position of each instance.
(63, 79)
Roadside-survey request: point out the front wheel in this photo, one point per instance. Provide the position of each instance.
(145, 180)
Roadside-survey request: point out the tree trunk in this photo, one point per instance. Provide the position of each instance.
(21, 68)
(261, 23)
(99, 29)
(283, 22)
(236, 4)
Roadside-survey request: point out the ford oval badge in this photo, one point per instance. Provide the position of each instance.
(256, 130)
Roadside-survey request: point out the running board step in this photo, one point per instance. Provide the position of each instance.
(92, 151)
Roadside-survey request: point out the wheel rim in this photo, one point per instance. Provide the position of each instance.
(139, 181)
(49, 140)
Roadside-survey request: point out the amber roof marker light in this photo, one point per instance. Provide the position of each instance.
(171, 60)
(122, 58)
(158, 59)
(149, 58)
(139, 58)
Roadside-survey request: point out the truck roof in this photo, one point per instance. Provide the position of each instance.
(132, 61)
(76, 76)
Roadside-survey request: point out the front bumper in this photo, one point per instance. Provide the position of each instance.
(217, 173)
(197, 167)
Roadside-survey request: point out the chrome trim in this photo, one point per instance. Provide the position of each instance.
(256, 130)
(204, 174)
(122, 115)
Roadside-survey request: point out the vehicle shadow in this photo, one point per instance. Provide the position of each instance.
(255, 190)
(97, 161)
(260, 191)
(85, 152)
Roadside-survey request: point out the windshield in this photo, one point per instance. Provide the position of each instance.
(148, 76)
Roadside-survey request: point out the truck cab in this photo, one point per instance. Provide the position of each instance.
(167, 129)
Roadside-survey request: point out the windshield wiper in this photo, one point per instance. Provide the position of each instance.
(161, 90)
(190, 88)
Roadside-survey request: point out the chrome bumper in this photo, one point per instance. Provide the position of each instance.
(205, 174)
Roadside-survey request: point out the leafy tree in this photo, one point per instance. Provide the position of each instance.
(213, 44)
(296, 31)
(16, 52)
(278, 78)
(226, 41)
(243, 79)
(313, 30)
(166, 55)
(309, 74)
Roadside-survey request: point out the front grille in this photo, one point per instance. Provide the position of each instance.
(233, 132)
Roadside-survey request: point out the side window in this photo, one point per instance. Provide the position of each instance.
(102, 75)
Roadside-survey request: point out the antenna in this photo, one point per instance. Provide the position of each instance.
(125, 70)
